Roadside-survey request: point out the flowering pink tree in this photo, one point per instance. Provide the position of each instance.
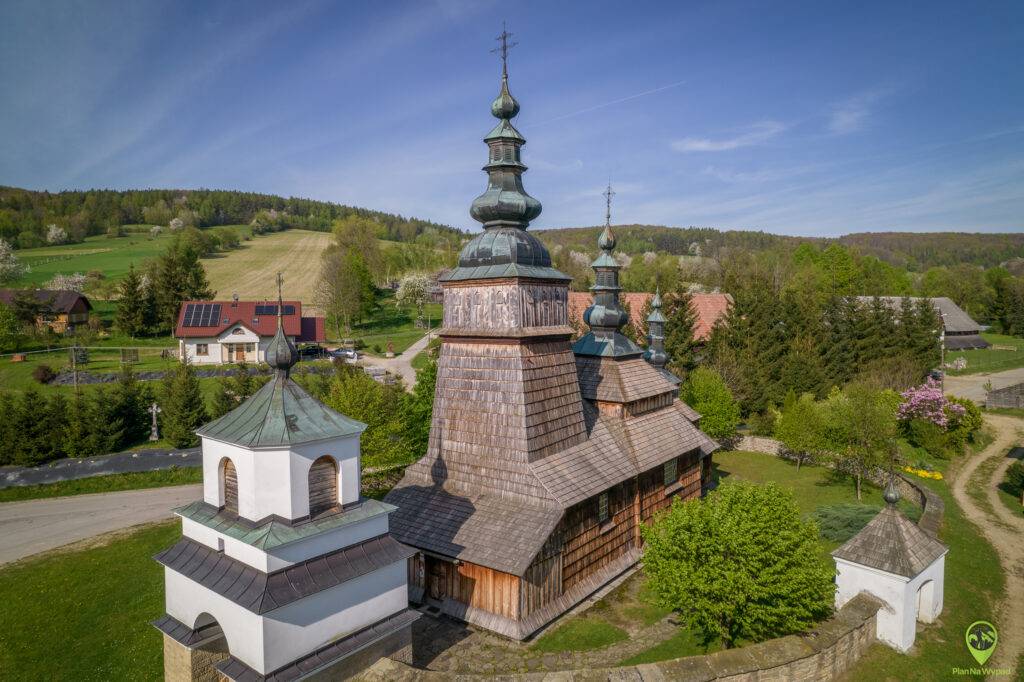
(927, 403)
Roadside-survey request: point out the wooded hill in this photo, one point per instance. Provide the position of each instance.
(25, 215)
(915, 251)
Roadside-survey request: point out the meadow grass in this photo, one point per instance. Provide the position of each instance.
(105, 484)
(988, 359)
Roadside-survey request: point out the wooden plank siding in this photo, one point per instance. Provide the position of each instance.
(590, 544)
(230, 486)
(477, 586)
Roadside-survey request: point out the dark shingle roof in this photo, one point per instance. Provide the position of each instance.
(619, 380)
(484, 529)
(237, 671)
(892, 543)
(261, 592)
(280, 414)
(58, 300)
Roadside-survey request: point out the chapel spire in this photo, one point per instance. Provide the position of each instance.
(281, 354)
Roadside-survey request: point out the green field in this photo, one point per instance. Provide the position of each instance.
(392, 323)
(989, 360)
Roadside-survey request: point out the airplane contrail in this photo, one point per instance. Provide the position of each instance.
(608, 104)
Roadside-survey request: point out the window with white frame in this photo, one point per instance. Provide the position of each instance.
(202, 349)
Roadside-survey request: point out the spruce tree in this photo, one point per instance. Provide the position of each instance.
(77, 427)
(8, 434)
(178, 276)
(104, 425)
(131, 305)
(680, 322)
(839, 344)
(183, 409)
(130, 402)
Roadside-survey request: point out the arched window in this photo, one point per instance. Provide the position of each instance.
(229, 478)
(323, 485)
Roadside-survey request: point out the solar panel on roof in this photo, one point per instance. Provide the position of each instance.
(201, 314)
(272, 310)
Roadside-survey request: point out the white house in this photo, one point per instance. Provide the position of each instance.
(218, 332)
(894, 560)
(283, 572)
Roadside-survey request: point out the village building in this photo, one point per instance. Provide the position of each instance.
(219, 332)
(708, 309)
(61, 311)
(960, 331)
(545, 459)
(893, 559)
(283, 570)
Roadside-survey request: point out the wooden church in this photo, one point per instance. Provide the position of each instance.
(545, 457)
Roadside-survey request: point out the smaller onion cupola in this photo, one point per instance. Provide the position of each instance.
(655, 353)
(281, 354)
(606, 316)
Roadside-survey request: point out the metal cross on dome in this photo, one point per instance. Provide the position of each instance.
(608, 194)
(505, 47)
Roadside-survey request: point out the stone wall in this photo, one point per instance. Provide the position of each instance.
(1011, 396)
(182, 664)
(829, 650)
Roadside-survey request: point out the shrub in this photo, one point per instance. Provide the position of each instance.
(706, 392)
(963, 426)
(114, 231)
(376, 348)
(763, 423)
(1015, 479)
(44, 374)
(840, 522)
(740, 564)
(927, 435)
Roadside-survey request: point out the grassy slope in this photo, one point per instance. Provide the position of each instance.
(111, 256)
(392, 323)
(84, 615)
(988, 360)
(105, 484)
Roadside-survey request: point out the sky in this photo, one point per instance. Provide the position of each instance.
(805, 118)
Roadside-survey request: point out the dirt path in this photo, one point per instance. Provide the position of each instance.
(401, 365)
(1004, 530)
(35, 526)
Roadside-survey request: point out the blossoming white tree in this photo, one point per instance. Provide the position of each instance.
(10, 266)
(62, 282)
(55, 234)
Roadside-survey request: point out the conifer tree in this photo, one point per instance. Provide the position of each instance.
(178, 276)
(130, 401)
(184, 409)
(8, 434)
(131, 305)
(875, 332)
(76, 429)
(680, 323)
(104, 426)
(838, 350)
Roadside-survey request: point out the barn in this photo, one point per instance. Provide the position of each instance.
(545, 457)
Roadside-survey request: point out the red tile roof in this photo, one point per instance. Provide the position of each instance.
(708, 307)
(304, 329)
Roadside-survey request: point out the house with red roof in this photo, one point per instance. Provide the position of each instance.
(217, 332)
(708, 308)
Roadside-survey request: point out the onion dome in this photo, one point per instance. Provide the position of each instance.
(504, 249)
(891, 494)
(606, 316)
(281, 353)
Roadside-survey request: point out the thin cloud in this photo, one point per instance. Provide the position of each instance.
(852, 114)
(756, 134)
(608, 104)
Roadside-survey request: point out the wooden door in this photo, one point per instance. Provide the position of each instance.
(437, 579)
(239, 352)
(230, 487)
(323, 485)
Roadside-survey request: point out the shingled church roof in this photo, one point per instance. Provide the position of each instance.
(892, 543)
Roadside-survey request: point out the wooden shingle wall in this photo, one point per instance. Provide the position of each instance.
(590, 544)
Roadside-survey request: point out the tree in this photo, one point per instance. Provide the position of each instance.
(11, 328)
(420, 407)
(130, 401)
(55, 234)
(356, 234)
(801, 427)
(381, 407)
(10, 267)
(345, 290)
(62, 282)
(705, 392)
(860, 430)
(739, 565)
(680, 322)
(133, 303)
(183, 408)
(1015, 479)
(413, 289)
(177, 276)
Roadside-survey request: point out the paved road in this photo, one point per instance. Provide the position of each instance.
(84, 467)
(401, 365)
(34, 526)
(973, 385)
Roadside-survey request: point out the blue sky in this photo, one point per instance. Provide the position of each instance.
(812, 118)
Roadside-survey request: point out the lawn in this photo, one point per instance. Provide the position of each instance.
(109, 255)
(580, 634)
(84, 615)
(989, 360)
(105, 484)
(394, 323)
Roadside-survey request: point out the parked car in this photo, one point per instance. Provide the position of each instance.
(311, 352)
(346, 354)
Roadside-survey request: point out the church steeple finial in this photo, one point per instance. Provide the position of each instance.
(281, 354)
(606, 316)
(655, 353)
(505, 203)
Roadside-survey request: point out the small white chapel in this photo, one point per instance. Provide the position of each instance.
(283, 571)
